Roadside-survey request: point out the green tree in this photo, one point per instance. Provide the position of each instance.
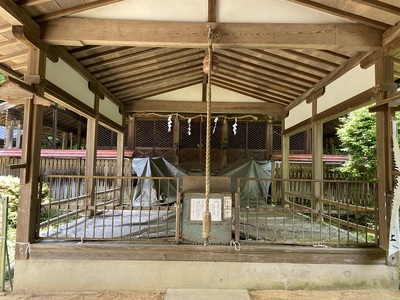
(357, 134)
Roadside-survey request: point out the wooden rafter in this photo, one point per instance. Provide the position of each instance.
(260, 68)
(73, 10)
(32, 2)
(161, 86)
(343, 14)
(103, 54)
(137, 53)
(166, 89)
(153, 79)
(11, 56)
(381, 5)
(149, 64)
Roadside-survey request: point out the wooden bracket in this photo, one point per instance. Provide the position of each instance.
(385, 87)
(34, 42)
(317, 94)
(16, 166)
(15, 92)
(93, 88)
(32, 79)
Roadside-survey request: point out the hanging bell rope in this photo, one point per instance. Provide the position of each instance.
(207, 213)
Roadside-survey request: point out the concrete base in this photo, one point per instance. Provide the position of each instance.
(180, 294)
(50, 275)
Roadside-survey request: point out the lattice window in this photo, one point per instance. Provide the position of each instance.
(237, 141)
(153, 133)
(107, 139)
(162, 138)
(256, 135)
(297, 142)
(194, 140)
(277, 138)
(126, 134)
(144, 133)
(197, 138)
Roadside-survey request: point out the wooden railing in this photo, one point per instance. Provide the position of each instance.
(65, 162)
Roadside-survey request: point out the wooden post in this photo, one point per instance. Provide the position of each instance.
(225, 136)
(317, 160)
(18, 136)
(71, 140)
(131, 133)
(384, 74)
(78, 137)
(285, 165)
(9, 135)
(65, 140)
(29, 177)
(269, 138)
(175, 139)
(91, 158)
(120, 165)
(55, 121)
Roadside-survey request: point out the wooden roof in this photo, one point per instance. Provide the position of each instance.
(272, 58)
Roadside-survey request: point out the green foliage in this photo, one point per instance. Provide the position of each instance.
(2, 78)
(357, 134)
(9, 187)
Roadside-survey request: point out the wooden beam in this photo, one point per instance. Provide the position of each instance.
(360, 100)
(343, 14)
(344, 68)
(73, 63)
(17, 92)
(381, 5)
(80, 31)
(15, 15)
(73, 10)
(32, 41)
(68, 100)
(212, 11)
(200, 107)
(388, 49)
(32, 2)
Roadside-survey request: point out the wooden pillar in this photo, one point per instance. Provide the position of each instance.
(131, 133)
(317, 159)
(384, 74)
(9, 135)
(65, 140)
(269, 141)
(55, 121)
(71, 140)
(285, 165)
(31, 144)
(225, 137)
(308, 142)
(175, 139)
(78, 136)
(120, 165)
(91, 157)
(18, 136)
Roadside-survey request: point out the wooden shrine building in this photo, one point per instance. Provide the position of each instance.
(200, 85)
